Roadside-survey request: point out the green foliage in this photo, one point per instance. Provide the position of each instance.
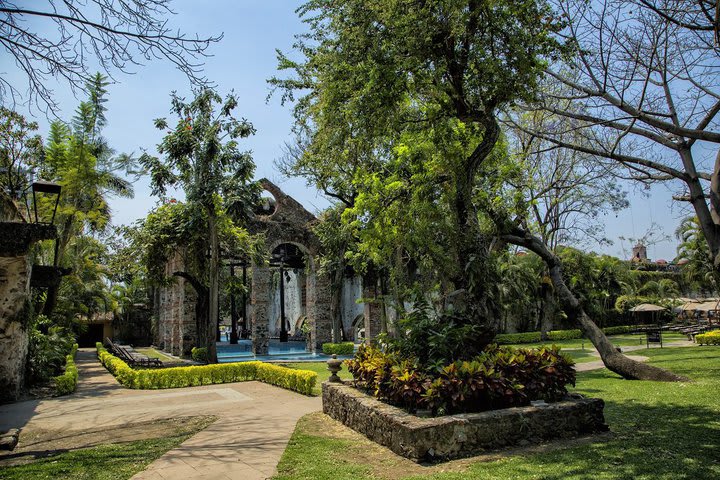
(47, 349)
(405, 133)
(500, 377)
(693, 248)
(556, 335)
(709, 338)
(20, 151)
(302, 381)
(344, 348)
(199, 354)
(67, 382)
(434, 339)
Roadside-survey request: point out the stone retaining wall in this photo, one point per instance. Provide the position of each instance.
(432, 439)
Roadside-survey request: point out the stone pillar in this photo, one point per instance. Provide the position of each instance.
(14, 318)
(318, 308)
(372, 311)
(260, 309)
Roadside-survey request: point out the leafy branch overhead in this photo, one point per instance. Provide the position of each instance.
(67, 40)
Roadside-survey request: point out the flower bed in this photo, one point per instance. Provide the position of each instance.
(441, 438)
(301, 381)
(67, 382)
(500, 377)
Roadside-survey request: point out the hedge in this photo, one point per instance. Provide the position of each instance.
(345, 348)
(67, 382)
(199, 354)
(534, 337)
(302, 381)
(709, 338)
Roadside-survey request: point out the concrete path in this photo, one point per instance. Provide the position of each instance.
(255, 421)
(598, 364)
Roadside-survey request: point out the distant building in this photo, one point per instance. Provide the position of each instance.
(639, 253)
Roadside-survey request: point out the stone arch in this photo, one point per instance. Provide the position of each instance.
(289, 224)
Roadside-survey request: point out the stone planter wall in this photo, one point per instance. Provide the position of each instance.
(433, 439)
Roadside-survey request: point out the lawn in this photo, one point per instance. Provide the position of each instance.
(112, 461)
(659, 431)
(618, 340)
(152, 353)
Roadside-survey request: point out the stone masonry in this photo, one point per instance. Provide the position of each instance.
(440, 438)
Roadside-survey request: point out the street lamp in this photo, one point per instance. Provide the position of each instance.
(47, 188)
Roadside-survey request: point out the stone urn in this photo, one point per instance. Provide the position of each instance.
(334, 366)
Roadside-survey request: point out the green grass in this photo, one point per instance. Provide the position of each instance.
(663, 431)
(152, 353)
(112, 461)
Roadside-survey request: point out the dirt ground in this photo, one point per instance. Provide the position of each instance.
(37, 444)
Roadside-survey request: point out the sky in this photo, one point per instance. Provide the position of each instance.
(243, 61)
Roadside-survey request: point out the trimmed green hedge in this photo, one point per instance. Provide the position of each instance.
(345, 348)
(199, 354)
(67, 382)
(709, 338)
(302, 381)
(534, 337)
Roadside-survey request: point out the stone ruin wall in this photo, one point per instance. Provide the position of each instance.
(176, 327)
(14, 317)
(308, 293)
(16, 238)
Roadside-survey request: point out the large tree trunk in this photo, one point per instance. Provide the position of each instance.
(613, 359)
(471, 300)
(547, 309)
(214, 288)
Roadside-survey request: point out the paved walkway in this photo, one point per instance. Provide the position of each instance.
(597, 364)
(255, 421)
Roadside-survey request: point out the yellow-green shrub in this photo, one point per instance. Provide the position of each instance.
(67, 382)
(709, 338)
(302, 381)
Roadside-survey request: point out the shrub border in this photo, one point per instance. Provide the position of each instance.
(301, 381)
(66, 383)
(344, 348)
(534, 337)
(709, 338)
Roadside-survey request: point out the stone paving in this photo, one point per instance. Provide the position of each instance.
(254, 423)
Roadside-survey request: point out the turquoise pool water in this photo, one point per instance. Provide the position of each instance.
(292, 351)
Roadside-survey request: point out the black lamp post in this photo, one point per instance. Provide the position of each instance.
(47, 188)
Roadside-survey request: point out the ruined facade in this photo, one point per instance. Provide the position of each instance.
(176, 330)
(286, 227)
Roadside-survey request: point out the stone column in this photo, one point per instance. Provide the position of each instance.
(318, 310)
(260, 309)
(14, 318)
(372, 311)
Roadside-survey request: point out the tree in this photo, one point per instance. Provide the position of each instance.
(410, 91)
(79, 158)
(693, 249)
(20, 150)
(202, 156)
(66, 39)
(640, 89)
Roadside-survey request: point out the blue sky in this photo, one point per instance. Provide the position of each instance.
(242, 62)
